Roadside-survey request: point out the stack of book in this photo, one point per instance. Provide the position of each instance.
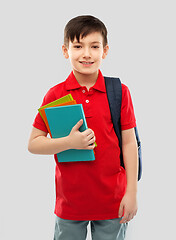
(60, 116)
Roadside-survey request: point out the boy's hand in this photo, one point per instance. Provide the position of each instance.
(81, 140)
(128, 206)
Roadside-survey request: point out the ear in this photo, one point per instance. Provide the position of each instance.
(105, 51)
(65, 51)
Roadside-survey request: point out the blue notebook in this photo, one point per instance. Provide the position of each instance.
(61, 120)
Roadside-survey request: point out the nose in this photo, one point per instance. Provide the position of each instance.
(86, 53)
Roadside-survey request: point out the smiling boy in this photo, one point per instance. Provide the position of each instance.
(85, 57)
(99, 191)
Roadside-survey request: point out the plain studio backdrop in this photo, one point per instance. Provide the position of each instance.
(142, 53)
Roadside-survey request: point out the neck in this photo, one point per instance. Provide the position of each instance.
(87, 80)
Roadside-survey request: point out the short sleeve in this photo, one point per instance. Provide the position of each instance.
(38, 121)
(127, 111)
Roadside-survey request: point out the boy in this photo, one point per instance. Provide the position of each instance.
(99, 191)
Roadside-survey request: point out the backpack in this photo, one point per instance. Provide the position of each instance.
(114, 94)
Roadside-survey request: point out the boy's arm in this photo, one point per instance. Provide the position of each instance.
(39, 143)
(128, 204)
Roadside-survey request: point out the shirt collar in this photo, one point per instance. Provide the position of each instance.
(72, 83)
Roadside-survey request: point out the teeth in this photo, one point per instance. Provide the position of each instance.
(87, 63)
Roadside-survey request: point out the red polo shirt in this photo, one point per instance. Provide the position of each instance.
(91, 190)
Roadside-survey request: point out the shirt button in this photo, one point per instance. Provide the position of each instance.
(83, 91)
(87, 101)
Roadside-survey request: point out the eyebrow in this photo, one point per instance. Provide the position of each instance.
(96, 42)
(76, 42)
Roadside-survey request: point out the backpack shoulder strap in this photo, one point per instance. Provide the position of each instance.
(114, 94)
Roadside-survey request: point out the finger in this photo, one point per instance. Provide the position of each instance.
(88, 132)
(78, 125)
(90, 136)
(127, 218)
(121, 210)
(130, 217)
(124, 219)
(90, 147)
(91, 141)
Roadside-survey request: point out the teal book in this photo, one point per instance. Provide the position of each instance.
(61, 120)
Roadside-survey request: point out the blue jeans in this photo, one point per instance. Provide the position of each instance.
(100, 229)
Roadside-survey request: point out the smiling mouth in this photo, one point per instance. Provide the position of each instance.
(86, 63)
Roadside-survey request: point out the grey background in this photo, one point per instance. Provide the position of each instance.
(142, 53)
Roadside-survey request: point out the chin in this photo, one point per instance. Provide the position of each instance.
(87, 71)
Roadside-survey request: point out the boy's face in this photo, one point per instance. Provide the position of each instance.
(86, 56)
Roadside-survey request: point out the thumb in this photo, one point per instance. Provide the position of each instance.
(121, 208)
(78, 125)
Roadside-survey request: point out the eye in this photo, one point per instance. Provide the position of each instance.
(95, 47)
(77, 46)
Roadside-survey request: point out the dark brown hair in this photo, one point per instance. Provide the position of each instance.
(83, 25)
